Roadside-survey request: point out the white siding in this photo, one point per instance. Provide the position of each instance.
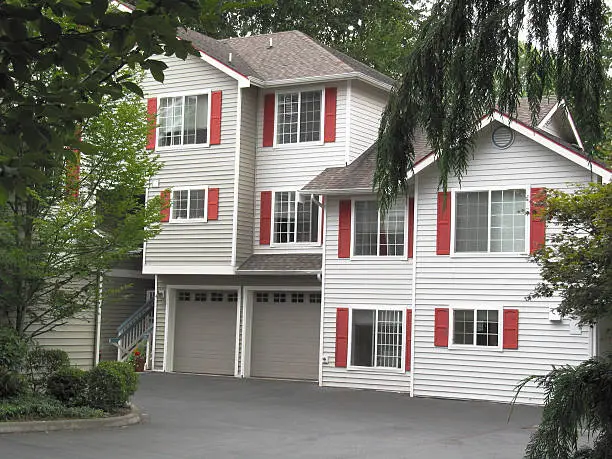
(208, 243)
(560, 126)
(366, 107)
(376, 281)
(246, 191)
(489, 281)
(290, 167)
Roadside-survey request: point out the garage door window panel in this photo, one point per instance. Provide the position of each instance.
(376, 338)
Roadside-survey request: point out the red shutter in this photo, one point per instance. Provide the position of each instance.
(511, 328)
(342, 320)
(441, 327)
(330, 114)
(165, 202)
(215, 118)
(322, 219)
(213, 203)
(268, 123)
(408, 338)
(151, 116)
(444, 224)
(538, 222)
(73, 176)
(410, 227)
(265, 217)
(344, 229)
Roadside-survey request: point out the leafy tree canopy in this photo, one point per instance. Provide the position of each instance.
(467, 61)
(59, 59)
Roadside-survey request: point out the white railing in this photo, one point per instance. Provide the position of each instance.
(134, 331)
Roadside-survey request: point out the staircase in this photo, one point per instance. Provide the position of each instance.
(134, 331)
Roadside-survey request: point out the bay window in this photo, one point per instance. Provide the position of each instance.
(376, 338)
(183, 120)
(378, 235)
(491, 221)
(299, 117)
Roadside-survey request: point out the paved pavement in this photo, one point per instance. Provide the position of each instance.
(213, 417)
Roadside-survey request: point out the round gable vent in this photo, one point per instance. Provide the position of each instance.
(502, 137)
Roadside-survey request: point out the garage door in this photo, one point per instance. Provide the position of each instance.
(285, 335)
(205, 332)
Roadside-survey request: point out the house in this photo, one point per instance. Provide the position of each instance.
(273, 260)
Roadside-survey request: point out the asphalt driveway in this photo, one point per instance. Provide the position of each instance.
(214, 417)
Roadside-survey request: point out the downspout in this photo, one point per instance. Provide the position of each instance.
(154, 333)
(321, 328)
(414, 283)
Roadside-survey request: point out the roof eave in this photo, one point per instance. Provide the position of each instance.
(322, 78)
(338, 192)
(275, 272)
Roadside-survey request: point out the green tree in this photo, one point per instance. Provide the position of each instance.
(60, 235)
(59, 60)
(466, 61)
(577, 266)
(379, 33)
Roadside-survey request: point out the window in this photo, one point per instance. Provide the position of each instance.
(232, 297)
(261, 297)
(490, 221)
(279, 297)
(315, 298)
(189, 204)
(297, 297)
(476, 326)
(184, 296)
(299, 117)
(375, 235)
(216, 296)
(295, 221)
(376, 337)
(199, 296)
(183, 120)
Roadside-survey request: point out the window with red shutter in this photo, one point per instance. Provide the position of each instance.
(342, 327)
(537, 220)
(268, 122)
(444, 224)
(151, 118)
(165, 203)
(215, 118)
(330, 115)
(344, 229)
(265, 217)
(213, 204)
(410, 227)
(441, 325)
(408, 338)
(511, 318)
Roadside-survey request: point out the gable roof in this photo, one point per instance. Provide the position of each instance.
(358, 177)
(293, 57)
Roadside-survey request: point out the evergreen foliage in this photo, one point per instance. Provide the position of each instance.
(467, 60)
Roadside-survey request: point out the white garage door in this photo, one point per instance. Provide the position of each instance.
(205, 332)
(285, 335)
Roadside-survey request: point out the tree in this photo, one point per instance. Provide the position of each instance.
(59, 60)
(466, 61)
(577, 266)
(60, 235)
(379, 33)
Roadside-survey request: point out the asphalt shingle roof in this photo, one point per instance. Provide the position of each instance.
(359, 175)
(292, 55)
(299, 262)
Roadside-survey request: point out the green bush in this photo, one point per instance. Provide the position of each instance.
(13, 349)
(40, 363)
(110, 385)
(11, 383)
(37, 406)
(68, 385)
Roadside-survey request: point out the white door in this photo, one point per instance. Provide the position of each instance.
(285, 335)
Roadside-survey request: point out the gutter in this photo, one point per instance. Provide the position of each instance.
(279, 272)
(322, 78)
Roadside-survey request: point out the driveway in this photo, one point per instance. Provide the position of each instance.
(214, 417)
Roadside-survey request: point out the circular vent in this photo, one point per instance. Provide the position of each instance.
(502, 137)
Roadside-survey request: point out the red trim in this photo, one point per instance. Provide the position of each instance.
(344, 229)
(537, 227)
(151, 117)
(322, 219)
(441, 327)
(165, 203)
(444, 224)
(268, 123)
(213, 204)
(330, 115)
(408, 338)
(511, 318)
(410, 227)
(215, 118)
(73, 176)
(265, 218)
(342, 320)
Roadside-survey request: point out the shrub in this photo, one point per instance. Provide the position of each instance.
(13, 349)
(68, 385)
(110, 385)
(11, 383)
(37, 406)
(40, 363)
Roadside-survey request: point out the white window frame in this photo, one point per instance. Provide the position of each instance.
(488, 253)
(189, 220)
(350, 366)
(298, 144)
(378, 256)
(184, 94)
(293, 244)
(475, 306)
